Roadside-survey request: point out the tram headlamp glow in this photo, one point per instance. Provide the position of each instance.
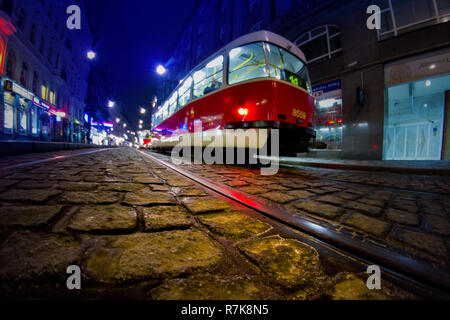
(243, 112)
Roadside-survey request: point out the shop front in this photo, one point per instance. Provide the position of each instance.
(20, 115)
(328, 116)
(417, 113)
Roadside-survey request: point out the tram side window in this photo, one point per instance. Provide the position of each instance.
(246, 63)
(184, 93)
(208, 78)
(172, 105)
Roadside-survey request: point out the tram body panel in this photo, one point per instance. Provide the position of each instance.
(265, 100)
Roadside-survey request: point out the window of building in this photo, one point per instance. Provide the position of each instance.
(24, 75)
(33, 34)
(35, 82)
(7, 6)
(21, 20)
(246, 63)
(320, 43)
(52, 97)
(184, 93)
(42, 45)
(11, 64)
(44, 92)
(403, 15)
(209, 78)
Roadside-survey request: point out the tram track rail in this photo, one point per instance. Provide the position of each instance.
(413, 274)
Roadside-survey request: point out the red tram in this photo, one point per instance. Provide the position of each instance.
(257, 81)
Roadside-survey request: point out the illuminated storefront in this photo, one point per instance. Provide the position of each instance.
(328, 115)
(417, 112)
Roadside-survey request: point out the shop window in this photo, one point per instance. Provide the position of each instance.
(209, 78)
(22, 117)
(9, 118)
(34, 121)
(415, 120)
(404, 15)
(328, 116)
(320, 43)
(7, 6)
(11, 64)
(246, 63)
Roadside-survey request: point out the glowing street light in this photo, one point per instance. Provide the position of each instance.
(143, 111)
(140, 126)
(124, 125)
(161, 70)
(117, 120)
(91, 55)
(141, 122)
(111, 104)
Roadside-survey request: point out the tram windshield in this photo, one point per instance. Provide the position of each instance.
(261, 60)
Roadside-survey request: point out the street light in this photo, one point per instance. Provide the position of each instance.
(141, 122)
(143, 111)
(124, 125)
(117, 120)
(111, 103)
(161, 70)
(91, 55)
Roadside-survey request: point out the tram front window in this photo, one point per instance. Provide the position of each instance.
(246, 63)
(285, 66)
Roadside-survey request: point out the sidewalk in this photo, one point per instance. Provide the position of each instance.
(395, 166)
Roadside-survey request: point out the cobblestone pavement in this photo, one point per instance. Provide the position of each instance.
(406, 212)
(140, 231)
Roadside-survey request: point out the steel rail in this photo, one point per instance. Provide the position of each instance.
(397, 263)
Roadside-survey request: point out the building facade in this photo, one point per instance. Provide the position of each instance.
(44, 78)
(380, 94)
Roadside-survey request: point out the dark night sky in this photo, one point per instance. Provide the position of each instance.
(135, 36)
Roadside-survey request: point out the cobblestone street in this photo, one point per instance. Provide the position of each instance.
(141, 231)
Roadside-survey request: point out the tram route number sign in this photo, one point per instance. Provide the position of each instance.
(293, 78)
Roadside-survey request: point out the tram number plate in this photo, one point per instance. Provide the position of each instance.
(299, 114)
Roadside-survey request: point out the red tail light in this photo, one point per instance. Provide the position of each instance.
(243, 112)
